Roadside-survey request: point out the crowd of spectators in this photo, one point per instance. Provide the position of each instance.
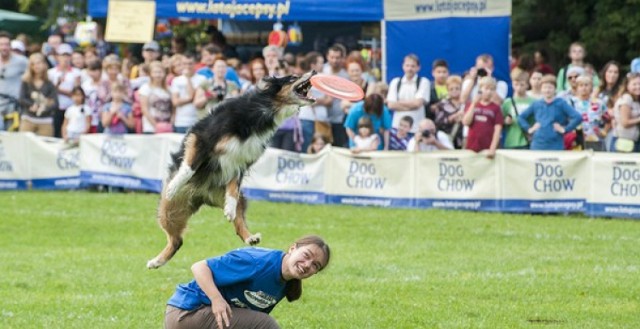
(65, 92)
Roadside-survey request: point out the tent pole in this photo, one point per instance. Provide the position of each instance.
(383, 49)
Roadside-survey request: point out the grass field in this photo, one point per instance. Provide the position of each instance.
(77, 260)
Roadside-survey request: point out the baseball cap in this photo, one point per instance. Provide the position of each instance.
(151, 45)
(64, 49)
(18, 45)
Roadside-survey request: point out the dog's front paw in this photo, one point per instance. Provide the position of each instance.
(253, 239)
(230, 206)
(154, 263)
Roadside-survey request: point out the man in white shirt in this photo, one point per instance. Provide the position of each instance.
(335, 66)
(484, 67)
(65, 77)
(409, 94)
(183, 89)
(428, 139)
(12, 67)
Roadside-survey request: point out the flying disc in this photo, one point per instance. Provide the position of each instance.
(337, 87)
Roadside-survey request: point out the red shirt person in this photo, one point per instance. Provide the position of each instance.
(484, 119)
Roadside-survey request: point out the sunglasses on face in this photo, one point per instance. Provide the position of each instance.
(573, 77)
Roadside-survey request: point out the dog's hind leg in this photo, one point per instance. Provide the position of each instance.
(186, 170)
(172, 217)
(241, 224)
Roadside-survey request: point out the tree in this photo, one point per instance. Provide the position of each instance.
(610, 29)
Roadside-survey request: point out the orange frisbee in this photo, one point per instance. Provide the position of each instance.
(337, 87)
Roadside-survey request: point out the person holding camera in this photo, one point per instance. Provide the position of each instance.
(428, 139)
(483, 68)
(214, 91)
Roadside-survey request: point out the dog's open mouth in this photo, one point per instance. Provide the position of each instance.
(303, 88)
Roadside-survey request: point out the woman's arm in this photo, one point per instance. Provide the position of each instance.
(144, 107)
(220, 308)
(625, 117)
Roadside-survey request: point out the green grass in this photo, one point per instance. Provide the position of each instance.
(77, 260)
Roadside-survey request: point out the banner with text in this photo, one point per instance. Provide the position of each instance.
(14, 161)
(131, 161)
(55, 164)
(544, 181)
(287, 176)
(615, 185)
(372, 179)
(456, 180)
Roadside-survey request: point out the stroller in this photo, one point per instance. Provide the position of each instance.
(10, 112)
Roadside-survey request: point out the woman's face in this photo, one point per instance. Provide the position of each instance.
(354, 71)
(535, 80)
(258, 71)
(303, 261)
(612, 74)
(112, 72)
(157, 73)
(318, 144)
(220, 69)
(39, 66)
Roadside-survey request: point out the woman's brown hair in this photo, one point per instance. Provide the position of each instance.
(293, 289)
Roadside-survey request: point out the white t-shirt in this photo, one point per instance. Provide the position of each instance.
(442, 138)
(408, 91)
(76, 117)
(159, 102)
(501, 88)
(91, 95)
(314, 112)
(187, 114)
(68, 78)
(364, 142)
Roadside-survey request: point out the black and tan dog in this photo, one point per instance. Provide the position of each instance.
(216, 153)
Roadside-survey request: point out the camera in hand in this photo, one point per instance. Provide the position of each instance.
(219, 92)
(482, 72)
(426, 133)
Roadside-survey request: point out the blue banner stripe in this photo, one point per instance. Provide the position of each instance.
(57, 183)
(356, 200)
(284, 196)
(613, 210)
(13, 184)
(131, 182)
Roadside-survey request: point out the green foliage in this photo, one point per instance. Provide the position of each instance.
(77, 260)
(610, 29)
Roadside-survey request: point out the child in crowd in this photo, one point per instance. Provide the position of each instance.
(515, 137)
(77, 118)
(117, 116)
(90, 87)
(484, 119)
(590, 134)
(399, 137)
(534, 83)
(440, 72)
(366, 139)
(553, 118)
(318, 143)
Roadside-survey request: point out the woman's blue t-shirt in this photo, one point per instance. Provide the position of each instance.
(247, 278)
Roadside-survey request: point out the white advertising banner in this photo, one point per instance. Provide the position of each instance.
(456, 180)
(534, 181)
(54, 163)
(615, 185)
(14, 161)
(287, 176)
(370, 179)
(130, 161)
(430, 9)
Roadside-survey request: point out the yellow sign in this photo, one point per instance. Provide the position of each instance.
(130, 21)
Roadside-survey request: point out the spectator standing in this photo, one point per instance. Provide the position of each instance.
(77, 118)
(590, 134)
(117, 115)
(449, 112)
(65, 78)
(215, 90)
(439, 89)
(210, 54)
(272, 55)
(552, 118)
(577, 53)
(335, 66)
(257, 71)
(515, 137)
(155, 102)
(572, 76)
(540, 57)
(90, 88)
(373, 108)
(627, 116)
(183, 90)
(150, 53)
(534, 84)
(483, 68)
(38, 98)
(606, 92)
(428, 139)
(355, 70)
(484, 119)
(316, 115)
(409, 93)
(12, 68)
(366, 139)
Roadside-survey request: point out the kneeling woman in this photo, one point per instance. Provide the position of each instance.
(240, 288)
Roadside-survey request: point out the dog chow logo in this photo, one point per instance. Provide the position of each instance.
(68, 159)
(113, 154)
(550, 177)
(451, 177)
(362, 175)
(291, 171)
(5, 164)
(625, 179)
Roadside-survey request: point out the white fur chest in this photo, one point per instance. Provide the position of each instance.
(237, 155)
(285, 113)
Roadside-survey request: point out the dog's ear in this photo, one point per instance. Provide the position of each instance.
(265, 83)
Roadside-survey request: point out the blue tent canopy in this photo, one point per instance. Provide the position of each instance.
(289, 10)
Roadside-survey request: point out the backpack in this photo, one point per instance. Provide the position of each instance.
(427, 108)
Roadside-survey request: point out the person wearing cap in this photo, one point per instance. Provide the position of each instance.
(150, 53)
(12, 67)
(17, 47)
(65, 77)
